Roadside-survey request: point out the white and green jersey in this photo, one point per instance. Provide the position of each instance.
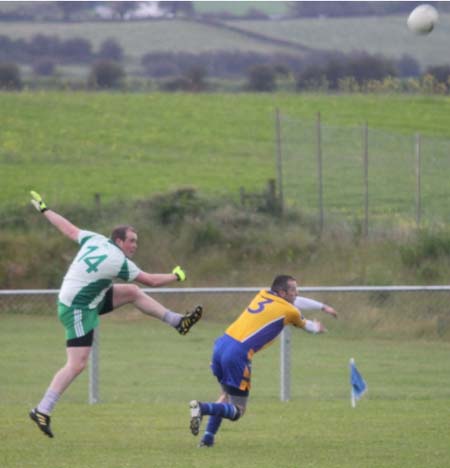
(90, 275)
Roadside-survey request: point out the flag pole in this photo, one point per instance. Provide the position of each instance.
(352, 392)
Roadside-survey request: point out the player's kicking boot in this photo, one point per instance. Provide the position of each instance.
(189, 320)
(196, 417)
(42, 420)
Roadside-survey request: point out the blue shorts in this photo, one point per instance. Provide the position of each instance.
(232, 365)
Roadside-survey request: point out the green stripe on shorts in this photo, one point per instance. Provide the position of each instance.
(77, 321)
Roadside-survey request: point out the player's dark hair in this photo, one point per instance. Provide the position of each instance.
(120, 232)
(281, 282)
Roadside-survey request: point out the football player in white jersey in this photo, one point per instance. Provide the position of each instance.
(87, 291)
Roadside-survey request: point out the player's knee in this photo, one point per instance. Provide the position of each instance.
(78, 366)
(240, 411)
(135, 291)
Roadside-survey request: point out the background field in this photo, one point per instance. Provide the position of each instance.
(148, 375)
(388, 36)
(135, 145)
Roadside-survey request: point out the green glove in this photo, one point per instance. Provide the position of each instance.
(37, 202)
(179, 273)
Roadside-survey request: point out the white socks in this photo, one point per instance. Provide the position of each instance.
(48, 402)
(172, 318)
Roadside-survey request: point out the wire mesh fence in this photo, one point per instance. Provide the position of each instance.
(363, 175)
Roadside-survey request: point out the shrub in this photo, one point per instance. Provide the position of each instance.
(106, 75)
(110, 49)
(174, 207)
(346, 72)
(176, 84)
(76, 50)
(44, 67)
(196, 76)
(428, 246)
(261, 78)
(10, 78)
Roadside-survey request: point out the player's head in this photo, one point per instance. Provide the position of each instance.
(125, 237)
(285, 286)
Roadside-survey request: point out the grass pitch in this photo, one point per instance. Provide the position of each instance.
(148, 374)
(69, 146)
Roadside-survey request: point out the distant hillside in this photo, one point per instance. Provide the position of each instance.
(388, 36)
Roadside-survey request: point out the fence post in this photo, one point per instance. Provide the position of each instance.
(366, 178)
(418, 148)
(279, 159)
(319, 172)
(285, 364)
(97, 200)
(93, 370)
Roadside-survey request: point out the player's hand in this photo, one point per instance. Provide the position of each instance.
(179, 273)
(330, 310)
(37, 202)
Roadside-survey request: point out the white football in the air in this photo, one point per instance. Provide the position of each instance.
(423, 19)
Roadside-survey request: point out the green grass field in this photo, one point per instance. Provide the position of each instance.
(148, 374)
(123, 146)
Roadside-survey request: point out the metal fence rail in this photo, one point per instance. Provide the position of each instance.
(416, 310)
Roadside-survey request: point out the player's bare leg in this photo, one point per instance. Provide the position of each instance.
(132, 294)
(77, 358)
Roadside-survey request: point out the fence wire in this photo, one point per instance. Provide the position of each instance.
(406, 311)
(363, 174)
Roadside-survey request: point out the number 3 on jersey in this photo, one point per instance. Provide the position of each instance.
(261, 305)
(92, 261)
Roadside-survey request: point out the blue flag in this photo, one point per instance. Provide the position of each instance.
(358, 384)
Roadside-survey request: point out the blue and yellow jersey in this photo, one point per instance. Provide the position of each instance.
(263, 320)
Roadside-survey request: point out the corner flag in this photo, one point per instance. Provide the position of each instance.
(359, 386)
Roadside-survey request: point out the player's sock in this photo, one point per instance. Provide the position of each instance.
(224, 410)
(172, 318)
(48, 402)
(211, 430)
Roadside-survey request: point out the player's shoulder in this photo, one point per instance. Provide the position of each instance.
(84, 235)
(278, 302)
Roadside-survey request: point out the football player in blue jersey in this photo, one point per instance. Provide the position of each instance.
(258, 325)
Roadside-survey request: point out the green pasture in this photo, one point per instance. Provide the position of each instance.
(138, 38)
(127, 146)
(242, 8)
(148, 374)
(387, 35)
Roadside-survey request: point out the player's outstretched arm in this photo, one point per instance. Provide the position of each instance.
(61, 223)
(305, 303)
(313, 326)
(155, 280)
(329, 310)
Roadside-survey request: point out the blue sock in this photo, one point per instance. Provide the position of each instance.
(211, 429)
(224, 410)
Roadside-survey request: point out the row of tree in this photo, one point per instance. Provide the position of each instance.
(349, 77)
(74, 50)
(335, 64)
(44, 52)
